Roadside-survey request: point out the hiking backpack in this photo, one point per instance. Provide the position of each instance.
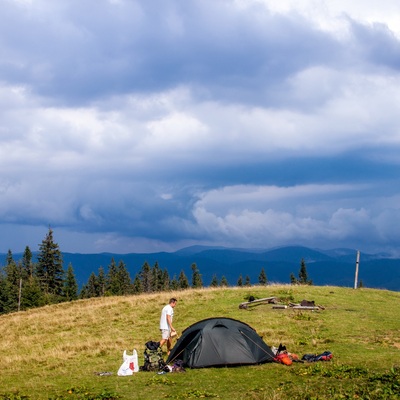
(153, 357)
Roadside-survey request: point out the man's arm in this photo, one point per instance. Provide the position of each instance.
(169, 322)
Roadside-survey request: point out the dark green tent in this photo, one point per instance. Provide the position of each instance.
(217, 342)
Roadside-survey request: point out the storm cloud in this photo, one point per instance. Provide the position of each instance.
(152, 125)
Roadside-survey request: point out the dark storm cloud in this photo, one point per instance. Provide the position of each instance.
(88, 51)
(136, 126)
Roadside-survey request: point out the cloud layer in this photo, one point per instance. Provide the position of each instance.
(147, 126)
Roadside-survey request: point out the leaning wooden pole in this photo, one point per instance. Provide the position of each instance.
(357, 265)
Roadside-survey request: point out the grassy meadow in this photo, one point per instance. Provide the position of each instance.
(55, 352)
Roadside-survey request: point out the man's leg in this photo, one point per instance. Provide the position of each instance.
(169, 345)
(164, 337)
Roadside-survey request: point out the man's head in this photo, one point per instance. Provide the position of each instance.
(172, 302)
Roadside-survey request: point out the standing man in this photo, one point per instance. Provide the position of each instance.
(166, 327)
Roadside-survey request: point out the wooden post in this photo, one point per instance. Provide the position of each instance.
(357, 264)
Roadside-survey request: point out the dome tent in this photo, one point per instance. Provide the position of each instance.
(217, 342)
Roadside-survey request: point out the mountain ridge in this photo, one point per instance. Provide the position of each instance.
(324, 267)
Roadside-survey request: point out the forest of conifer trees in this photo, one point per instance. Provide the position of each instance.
(26, 283)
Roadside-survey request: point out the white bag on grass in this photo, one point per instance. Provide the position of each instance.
(130, 364)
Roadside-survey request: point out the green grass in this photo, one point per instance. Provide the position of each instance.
(54, 352)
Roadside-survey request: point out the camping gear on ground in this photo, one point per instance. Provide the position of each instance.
(325, 356)
(216, 342)
(153, 357)
(283, 356)
(177, 367)
(130, 364)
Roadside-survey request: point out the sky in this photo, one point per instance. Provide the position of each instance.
(146, 126)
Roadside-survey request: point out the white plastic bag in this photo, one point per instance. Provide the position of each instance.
(130, 364)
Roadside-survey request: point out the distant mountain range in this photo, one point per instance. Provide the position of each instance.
(324, 267)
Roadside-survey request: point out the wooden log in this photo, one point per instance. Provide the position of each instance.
(267, 300)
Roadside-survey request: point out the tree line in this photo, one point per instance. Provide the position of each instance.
(27, 284)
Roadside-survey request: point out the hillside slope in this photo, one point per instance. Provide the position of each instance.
(55, 351)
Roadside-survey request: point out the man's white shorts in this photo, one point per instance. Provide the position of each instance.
(165, 333)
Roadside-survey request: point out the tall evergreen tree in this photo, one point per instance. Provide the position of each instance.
(197, 281)
(3, 294)
(125, 282)
(137, 285)
(32, 295)
(101, 281)
(113, 282)
(156, 278)
(247, 281)
(224, 282)
(146, 278)
(165, 280)
(262, 278)
(13, 273)
(303, 276)
(183, 282)
(11, 286)
(70, 285)
(9, 258)
(174, 284)
(27, 264)
(49, 269)
(240, 281)
(214, 281)
(92, 287)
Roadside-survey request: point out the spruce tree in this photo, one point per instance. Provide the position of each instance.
(92, 287)
(27, 264)
(146, 278)
(262, 278)
(156, 278)
(247, 281)
(240, 281)
(137, 285)
(183, 282)
(32, 295)
(293, 280)
(165, 280)
(11, 286)
(197, 282)
(70, 285)
(49, 269)
(224, 282)
(174, 284)
(303, 277)
(214, 281)
(113, 282)
(3, 295)
(101, 281)
(125, 283)
(9, 258)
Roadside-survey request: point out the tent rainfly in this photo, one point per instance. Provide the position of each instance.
(217, 342)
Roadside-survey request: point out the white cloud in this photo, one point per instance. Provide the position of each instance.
(330, 15)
